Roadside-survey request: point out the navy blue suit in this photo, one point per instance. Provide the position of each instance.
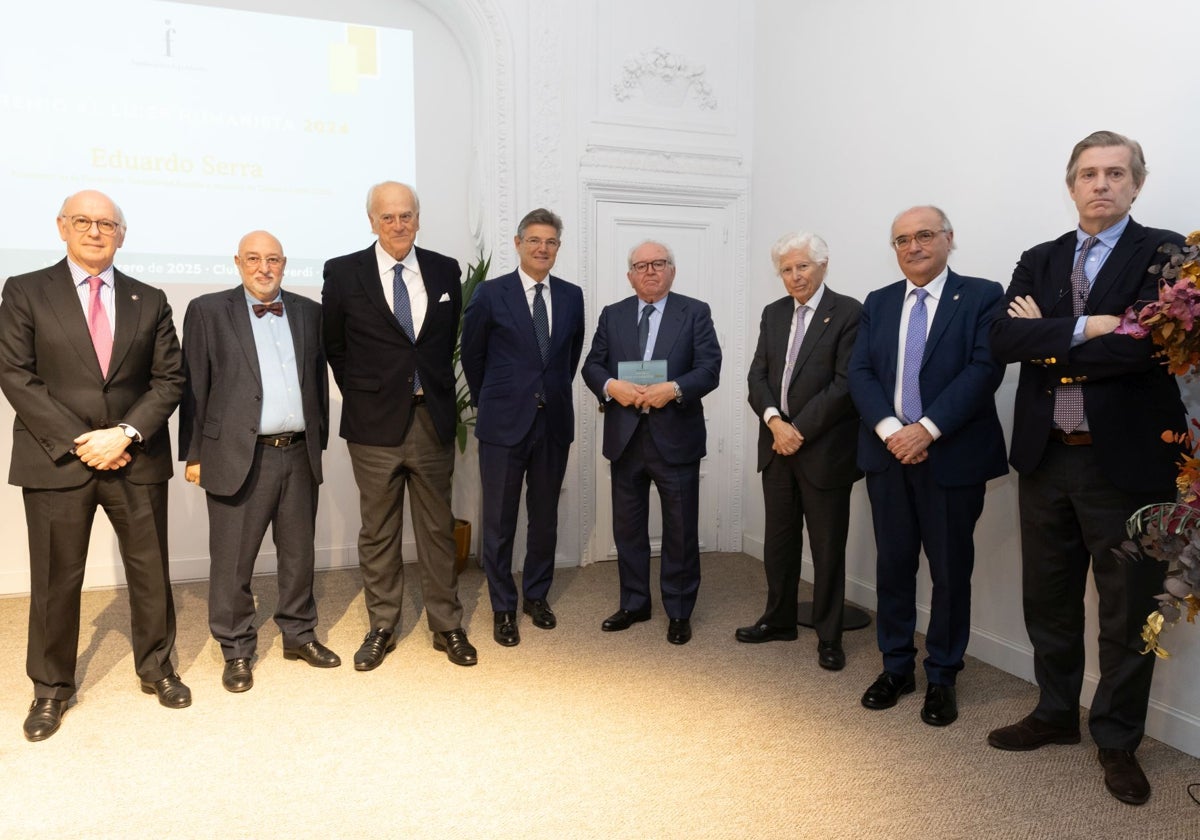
(664, 446)
(933, 504)
(525, 423)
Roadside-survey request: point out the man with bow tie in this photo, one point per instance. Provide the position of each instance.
(252, 425)
(90, 362)
(391, 324)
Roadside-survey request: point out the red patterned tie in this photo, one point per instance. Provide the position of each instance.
(98, 325)
(1068, 396)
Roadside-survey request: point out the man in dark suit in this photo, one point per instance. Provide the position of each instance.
(1090, 411)
(806, 443)
(391, 324)
(91, 365)
(252, 425)
(654, 431)
(924, 382)
(521, 342)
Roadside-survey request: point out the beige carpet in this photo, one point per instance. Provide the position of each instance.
(573, 734)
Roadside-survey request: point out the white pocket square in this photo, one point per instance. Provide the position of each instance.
(445, 298)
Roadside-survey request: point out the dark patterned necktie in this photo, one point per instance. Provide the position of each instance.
(541, 322)
(644, 329)
(402, 308)
(1068, 397)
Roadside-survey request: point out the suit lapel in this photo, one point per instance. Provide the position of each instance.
(673, 314)
(129, 313)
(296, 324)
(62, 298)
(818, 322)
(372, 283)
(560, 314)
(947, 308)
(891, 306)
(625, 317)
(1057, 292)
(513, 294)
(1114, 267)
(239, 322)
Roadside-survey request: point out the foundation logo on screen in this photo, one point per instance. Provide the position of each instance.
(168, 36)
(355, 58)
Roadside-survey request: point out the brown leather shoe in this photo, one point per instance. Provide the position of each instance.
(1029, 733)
(1123, 776)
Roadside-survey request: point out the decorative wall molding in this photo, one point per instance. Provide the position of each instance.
(665, 79)
(685, 161)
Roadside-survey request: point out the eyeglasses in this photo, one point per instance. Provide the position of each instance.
(923, 237)
(646, 265)
(83, 224)
(252, 261)
(392, 218)
(536, 242)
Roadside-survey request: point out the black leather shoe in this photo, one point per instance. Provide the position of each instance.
(458, 649)
(1123, 776)
(375, 645)
(504, 629)
(941, 705)
(765, 633)
(237, 676)
(679, 631)
(315, 654)
(541, 614)
(44, 718)
(1029, 733)
(171, 691)
(624, 619)
(886, 690)
(830, 656)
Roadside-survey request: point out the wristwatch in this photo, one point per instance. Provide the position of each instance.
(130, 432)
(678, 392)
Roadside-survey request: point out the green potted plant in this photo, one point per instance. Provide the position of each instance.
(465, 412)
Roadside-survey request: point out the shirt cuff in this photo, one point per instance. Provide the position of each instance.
(769, 413)
(930, 427)
(887, 427)
(1077, 337)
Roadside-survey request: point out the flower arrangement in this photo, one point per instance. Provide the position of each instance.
(1171, 532)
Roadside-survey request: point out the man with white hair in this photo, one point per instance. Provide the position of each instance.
(806, 443)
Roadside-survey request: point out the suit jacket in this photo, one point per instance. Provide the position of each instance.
(49, 372)
(222, 403)
(503, 364)
(688, 341)
(373, 359)
(1129, 397)
(958, 380)
(818, 393)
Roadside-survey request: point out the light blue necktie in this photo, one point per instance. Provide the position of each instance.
(402, 308)
(914, 352)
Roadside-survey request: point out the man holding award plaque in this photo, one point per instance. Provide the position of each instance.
(653, 358)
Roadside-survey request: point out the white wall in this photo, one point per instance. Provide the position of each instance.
(865, 108)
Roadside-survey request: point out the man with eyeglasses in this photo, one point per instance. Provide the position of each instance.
(924, 382)
(1090, 412)
(252, 425)
(90, 362)
(654, 356)
(391, 324)
(521, 342)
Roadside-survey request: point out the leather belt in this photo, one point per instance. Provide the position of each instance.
(1071, 438)
(280, 441)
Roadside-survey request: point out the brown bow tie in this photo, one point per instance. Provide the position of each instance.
(261, 309)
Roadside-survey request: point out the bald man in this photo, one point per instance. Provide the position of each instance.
(90, 362)
(252, 425)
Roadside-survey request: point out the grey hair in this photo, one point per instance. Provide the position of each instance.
(540, 216)
(1137, 158)
(664, 246)
(412, 192)
(818, 251)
